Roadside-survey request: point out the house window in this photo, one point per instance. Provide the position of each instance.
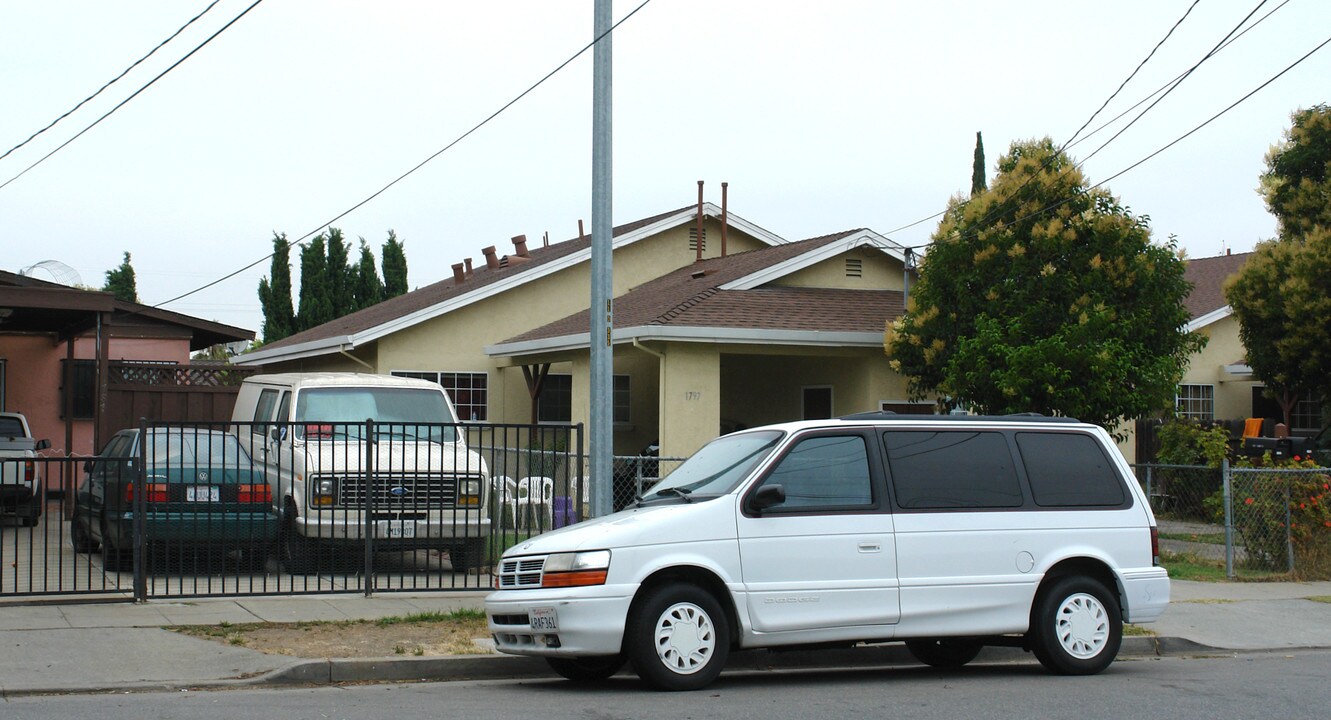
(79, 385)
(1195, 402)
(1307, 413)
(555, 404)
(468, 391)
(854, 267)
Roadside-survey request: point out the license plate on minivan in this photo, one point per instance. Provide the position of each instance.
(544, 618)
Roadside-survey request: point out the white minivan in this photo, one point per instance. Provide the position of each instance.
(335, 446)
(946, 532)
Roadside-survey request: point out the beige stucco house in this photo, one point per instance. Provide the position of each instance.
(746, 329)
(1218, 384)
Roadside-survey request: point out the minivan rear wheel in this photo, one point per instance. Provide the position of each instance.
(678, 638)
(945, 653)
(1076, 627)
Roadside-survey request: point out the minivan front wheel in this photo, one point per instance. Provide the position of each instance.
(1076, 627)
(679, 638)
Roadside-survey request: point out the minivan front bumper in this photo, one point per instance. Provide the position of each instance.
(590, 620)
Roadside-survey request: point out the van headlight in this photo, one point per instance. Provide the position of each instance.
(575, 569)
(323, 491)
(469, 494)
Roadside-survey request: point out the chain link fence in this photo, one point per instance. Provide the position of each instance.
(1258, 519)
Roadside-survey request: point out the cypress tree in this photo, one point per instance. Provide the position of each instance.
(978, 183)
(341, 284)
(279, 320)
(316, 307)
(369, 288)
(395, 266)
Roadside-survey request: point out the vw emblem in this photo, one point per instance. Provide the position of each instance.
(397, 491)
(203, 476)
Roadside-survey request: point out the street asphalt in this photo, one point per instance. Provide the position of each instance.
(87, 647)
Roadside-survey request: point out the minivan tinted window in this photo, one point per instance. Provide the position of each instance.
(824, 472)
(1068, 470)
(951, 469)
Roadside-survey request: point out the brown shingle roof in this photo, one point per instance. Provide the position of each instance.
(1208, 276)
(444, 290)
(686, 299)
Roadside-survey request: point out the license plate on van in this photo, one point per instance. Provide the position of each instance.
(544, 619)
(397, 529)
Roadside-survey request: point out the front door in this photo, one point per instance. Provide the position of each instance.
(825, 556)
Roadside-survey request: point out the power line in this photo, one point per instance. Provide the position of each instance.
(419, 165)
(131, 97)
(112, 81)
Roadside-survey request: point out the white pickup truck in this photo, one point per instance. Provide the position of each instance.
(20, 472)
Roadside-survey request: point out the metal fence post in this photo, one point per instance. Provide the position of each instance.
(1285, 482)
(1229, 519)
(1150, 494)
(367, 515)
(139, 527)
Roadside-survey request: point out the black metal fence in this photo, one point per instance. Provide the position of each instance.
(181, 510)
(1253, 519)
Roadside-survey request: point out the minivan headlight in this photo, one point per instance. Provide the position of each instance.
(576, 569)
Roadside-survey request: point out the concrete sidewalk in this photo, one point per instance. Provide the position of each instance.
(96, 647)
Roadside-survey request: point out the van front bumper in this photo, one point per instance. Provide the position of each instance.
(590, 621)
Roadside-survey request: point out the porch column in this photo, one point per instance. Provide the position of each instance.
(690, 398)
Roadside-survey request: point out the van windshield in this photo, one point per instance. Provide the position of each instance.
(719, 466)
(414, 413)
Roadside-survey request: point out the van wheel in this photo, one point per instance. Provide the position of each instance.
(679, 638)
(1076, 627)
(298, 552)
(587, 669)
(467, 555)
(945, 653)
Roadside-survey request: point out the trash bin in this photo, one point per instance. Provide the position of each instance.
(564, 510)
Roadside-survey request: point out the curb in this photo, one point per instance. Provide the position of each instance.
(509, 667)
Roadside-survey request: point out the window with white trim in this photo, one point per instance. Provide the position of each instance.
(1195, 402)
(469, 391)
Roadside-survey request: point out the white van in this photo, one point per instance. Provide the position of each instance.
(947, 532)
(423, 486)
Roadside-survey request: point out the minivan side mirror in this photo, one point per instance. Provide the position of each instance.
(768, 496)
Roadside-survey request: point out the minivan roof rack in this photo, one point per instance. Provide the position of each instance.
(1014, 417)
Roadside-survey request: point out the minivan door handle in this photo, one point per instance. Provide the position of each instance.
(866, 547)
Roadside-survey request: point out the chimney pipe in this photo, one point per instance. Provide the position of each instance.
(698, 244)
(469, 270)
(581, 234)
(459, 275)
(545, 240)
(491, 259)
(724, 185)
(520, 245)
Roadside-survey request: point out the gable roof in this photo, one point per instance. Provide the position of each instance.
(722, 300)
(431, 301)
(36, 305)
(1206, 302)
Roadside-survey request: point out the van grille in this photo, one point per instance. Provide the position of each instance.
(522, 572)
(398, 491)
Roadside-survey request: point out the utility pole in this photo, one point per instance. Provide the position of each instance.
(601, 439)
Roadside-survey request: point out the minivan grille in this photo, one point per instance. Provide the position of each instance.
(522, 572)
(399, 491)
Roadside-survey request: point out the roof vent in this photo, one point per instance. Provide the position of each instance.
(459, 273)
(520, 245)
(696, 274)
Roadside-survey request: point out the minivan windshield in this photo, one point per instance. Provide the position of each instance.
(719, 466)
(404, 412)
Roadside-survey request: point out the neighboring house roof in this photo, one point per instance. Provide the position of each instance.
(1206, 303)
(39, 306)
(434, 300)
(725, 300)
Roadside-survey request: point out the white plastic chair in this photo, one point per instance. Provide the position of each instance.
(536, 495)
(505, 492)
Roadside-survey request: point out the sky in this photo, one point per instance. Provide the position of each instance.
(822, 117)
